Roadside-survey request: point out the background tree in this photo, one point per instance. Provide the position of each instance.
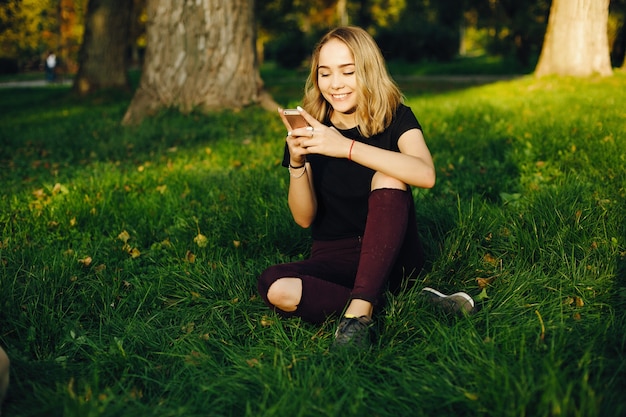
(103, 61)
(576, 41)
(199, 54)
(411, 30)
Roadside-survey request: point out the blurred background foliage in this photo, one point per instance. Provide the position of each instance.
(406, 30)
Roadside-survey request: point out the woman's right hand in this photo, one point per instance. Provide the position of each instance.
(294, 140)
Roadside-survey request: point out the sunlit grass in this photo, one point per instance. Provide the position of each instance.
(129, 257)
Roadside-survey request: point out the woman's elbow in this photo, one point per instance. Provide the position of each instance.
(426, 179)
(430, 180)
(303, 215)
(304, 223)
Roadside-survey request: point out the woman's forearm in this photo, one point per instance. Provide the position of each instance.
(301, 197)
(413, 165)
(410, 169)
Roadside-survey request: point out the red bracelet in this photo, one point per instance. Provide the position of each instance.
(350, 151)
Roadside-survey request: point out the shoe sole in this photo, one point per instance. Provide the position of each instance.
(440, 298)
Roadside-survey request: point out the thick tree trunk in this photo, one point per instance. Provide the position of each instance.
(576, 41)
(199, 55)
(102, 58)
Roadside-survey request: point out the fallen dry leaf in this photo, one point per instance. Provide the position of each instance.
(39, 194)
(484, 282)
(201, 240)
(579, 301)
(123, 236)
(58, 188)
(86, 261)
(488, 258)
(576, 300)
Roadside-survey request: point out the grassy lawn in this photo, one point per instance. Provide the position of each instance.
(129, 257)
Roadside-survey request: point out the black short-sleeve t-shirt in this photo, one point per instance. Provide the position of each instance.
(342, 187)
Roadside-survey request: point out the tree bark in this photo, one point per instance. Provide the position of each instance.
(102, 58)
(199, 55)
(576, 41)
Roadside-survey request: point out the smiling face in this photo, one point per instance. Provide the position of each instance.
(337, 81)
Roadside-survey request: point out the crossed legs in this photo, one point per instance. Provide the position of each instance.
(359, 281)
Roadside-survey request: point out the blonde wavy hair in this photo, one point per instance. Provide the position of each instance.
(378, 94)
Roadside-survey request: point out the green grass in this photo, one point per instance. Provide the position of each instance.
(129, 257)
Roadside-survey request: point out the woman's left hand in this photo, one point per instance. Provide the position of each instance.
(322, 139)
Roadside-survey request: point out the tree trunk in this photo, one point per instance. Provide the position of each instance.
(576, 41)
(102, 58)
(199, 55)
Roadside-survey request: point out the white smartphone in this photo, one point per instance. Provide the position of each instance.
(294, 118)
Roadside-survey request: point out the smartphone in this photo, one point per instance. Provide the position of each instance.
(294, 118)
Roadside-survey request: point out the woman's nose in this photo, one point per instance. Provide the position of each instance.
(336, 81)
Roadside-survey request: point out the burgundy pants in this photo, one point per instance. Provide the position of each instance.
(359, 267)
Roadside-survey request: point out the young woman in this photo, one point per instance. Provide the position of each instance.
(351, 170)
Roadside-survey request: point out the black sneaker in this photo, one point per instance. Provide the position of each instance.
(458, 303)
(353, 332)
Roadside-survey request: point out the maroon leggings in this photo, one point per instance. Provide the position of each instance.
(340, 270)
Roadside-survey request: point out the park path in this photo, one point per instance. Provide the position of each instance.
(33, 83)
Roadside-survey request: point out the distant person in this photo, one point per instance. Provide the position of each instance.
(51, 63)
(4, 376)
(351, 171)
